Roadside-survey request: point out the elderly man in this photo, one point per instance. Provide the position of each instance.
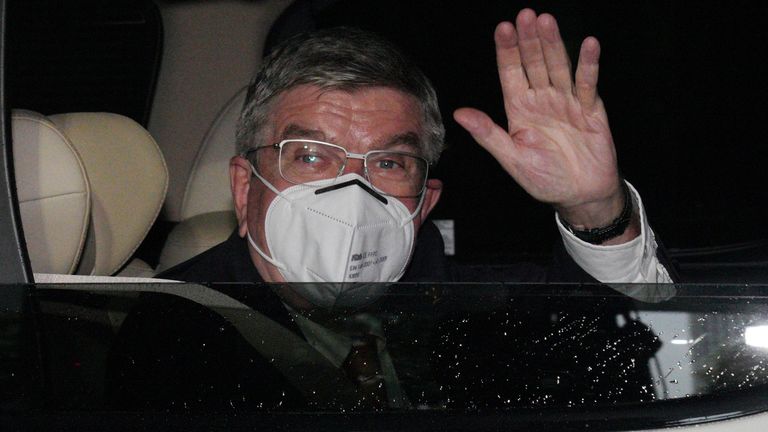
(338, 133)
(331, 184)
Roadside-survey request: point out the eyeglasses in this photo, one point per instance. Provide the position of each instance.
(393, 173)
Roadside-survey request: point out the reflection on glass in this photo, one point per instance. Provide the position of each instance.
(756, 336)
(419, 346)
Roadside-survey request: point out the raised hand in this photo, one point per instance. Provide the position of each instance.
(557, 144)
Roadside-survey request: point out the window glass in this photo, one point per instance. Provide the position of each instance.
(457, 348)
(83, 55)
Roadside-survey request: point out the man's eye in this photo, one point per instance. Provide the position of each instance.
(309, 158)
(388, 164)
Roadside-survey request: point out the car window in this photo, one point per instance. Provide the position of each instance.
(83, 55)
(456, 348)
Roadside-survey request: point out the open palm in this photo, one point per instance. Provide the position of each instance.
(557, 144)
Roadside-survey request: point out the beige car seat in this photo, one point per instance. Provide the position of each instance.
(128, 180)
(53, 193)
(207, 211)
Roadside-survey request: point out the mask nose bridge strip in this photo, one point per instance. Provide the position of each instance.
(352, 182)
(344, 184)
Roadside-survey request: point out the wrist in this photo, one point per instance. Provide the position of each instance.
(596, 213)
(601, 222)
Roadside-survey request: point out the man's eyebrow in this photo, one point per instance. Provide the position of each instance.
(409, 139)
(296, 131)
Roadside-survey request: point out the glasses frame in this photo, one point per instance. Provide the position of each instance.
(348, 155)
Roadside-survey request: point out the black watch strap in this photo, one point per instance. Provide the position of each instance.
(614, 229)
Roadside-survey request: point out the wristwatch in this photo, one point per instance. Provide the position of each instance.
(614, 229)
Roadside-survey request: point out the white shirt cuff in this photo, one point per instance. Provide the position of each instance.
(632, 262)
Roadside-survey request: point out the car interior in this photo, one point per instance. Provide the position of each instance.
(179, 69)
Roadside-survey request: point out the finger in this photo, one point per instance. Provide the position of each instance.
(555, 56)
(488, 134)
(511, 72)
(530, 50)
(586, 73)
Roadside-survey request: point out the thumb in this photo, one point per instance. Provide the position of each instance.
(488, 134)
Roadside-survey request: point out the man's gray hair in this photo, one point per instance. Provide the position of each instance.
(337, 59)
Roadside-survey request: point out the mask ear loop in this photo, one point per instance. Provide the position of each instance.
(415, 212)
(263, 254)
(413, 242)
(266, 182)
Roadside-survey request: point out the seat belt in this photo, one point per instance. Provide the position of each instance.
(323, 385)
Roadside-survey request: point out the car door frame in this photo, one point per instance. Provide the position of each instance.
(14, 261)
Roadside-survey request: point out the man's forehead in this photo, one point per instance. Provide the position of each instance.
(360, 98)
(382, 115)
(407, 139)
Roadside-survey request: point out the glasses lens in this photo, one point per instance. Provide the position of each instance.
(304, 162)
(397, 174)
(392, 173)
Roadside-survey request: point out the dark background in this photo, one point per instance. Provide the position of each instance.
(684, 85)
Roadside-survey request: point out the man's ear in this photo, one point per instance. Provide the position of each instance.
(431, 197)
(240, 182)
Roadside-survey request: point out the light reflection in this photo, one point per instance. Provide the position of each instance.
(756, 336)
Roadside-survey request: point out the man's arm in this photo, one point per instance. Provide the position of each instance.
(634, 268)
(558, 146)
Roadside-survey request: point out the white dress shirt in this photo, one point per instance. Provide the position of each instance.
(631, 268)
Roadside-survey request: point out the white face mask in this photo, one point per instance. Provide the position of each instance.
(343, 232)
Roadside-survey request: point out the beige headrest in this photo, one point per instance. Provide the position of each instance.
(196, 235)
(208, 188)
(128, 180)
(53, 193)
